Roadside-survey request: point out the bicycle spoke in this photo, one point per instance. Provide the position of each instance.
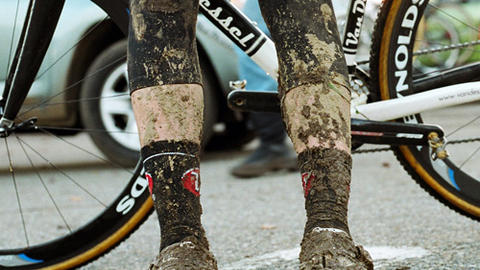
(453, 17)
(453, 46)
(63, 173)
(71, 48)
(86, 130)
(12, 172)
(44, 185)
(463, 126)
(12, 38)
(85, 100)
(47, 99)
(85, 151)
(470, 157)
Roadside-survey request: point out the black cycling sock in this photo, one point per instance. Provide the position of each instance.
(326, 175)
(172, 169)
(312, 34)
(162, 48)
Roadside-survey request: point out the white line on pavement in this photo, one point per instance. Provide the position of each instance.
(378, 253)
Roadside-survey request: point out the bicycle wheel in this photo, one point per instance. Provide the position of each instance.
(396, 67)
(61, 203)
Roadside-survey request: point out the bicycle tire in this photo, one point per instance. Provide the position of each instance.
(445, 180)
(82, 243)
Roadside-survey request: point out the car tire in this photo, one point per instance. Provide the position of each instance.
(106, 111)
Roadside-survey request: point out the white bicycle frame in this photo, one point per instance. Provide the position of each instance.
(266, 58)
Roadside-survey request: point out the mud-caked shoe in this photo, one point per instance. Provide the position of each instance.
(267, 158)
(185, 255)
(325, 248)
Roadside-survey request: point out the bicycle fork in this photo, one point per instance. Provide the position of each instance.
(40, 23)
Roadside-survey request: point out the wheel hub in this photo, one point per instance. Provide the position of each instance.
(7, 126)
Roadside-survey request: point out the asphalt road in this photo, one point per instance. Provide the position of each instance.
(258, 223)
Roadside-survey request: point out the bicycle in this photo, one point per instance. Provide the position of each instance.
(390, 88)
(442, 29)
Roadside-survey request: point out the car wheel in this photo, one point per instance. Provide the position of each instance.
(107, 112)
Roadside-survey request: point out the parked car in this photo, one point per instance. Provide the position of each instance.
(86, 60)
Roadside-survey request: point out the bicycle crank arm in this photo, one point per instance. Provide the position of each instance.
(257, 101)
(393, 133)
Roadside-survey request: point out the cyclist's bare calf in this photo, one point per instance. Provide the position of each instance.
(313, 84)
(167, 99)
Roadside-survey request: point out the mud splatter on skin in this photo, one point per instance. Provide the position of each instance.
(162, 47)
(315, 117)
(169, 112)
(178, 209)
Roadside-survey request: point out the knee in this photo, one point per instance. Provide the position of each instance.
(166, 6)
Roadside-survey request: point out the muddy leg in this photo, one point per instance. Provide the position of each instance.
(167, 99)
(315, 94)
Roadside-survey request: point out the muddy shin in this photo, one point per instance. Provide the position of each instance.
(315, 95)
(315, 103)
(167, 99)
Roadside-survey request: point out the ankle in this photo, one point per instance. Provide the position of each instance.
(330, 224)
(326, 183)
(179, 234)
(172, 169)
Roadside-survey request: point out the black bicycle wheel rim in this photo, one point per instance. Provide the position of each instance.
(116, 222)
(458, 190)
(100, 235)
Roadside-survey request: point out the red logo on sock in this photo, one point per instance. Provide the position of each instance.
(307, 182)
(191, 181)
(150, 181)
